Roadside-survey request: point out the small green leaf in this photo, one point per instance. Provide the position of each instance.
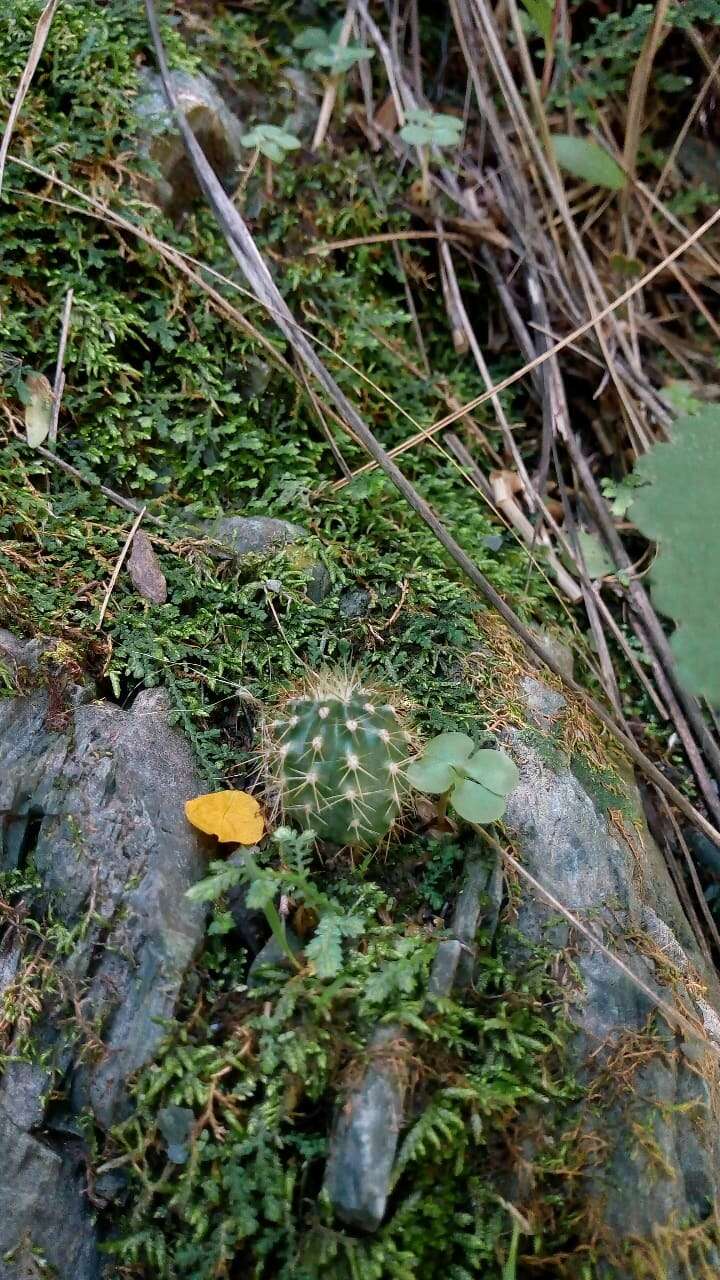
(620, 493)
(450, 748)
(223, 923)
(588, 161)
(225, 876)
(475, 803)
(496, 771)
(433, 776)
(430, 128)
(324, 951)
(597, 561)
(312, 38)
(681, 395)
(541, 12)
(325, 53)
(262, 890)
(271, 141)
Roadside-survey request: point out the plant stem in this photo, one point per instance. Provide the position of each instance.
(277, 927)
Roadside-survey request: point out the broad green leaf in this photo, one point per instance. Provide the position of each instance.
(475, 803)
(433, 776)
(597, 561)
(494, 770)
(588, 161)
(450, 748)
(430, 128)
(38, 401)
(679, 507)
(541, 12)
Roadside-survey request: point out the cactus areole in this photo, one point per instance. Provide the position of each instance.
(339, 762)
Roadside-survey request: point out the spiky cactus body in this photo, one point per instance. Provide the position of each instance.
(338, 757)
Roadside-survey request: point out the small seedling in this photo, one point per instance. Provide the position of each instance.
(475, 782)
(271, 142)
(423, 129)
(325, 53)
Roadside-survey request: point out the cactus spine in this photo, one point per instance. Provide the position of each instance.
(338, 753)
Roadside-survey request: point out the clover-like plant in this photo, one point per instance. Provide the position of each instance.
(423, 129)
(325, 53)
(271, 142)
(476, 782)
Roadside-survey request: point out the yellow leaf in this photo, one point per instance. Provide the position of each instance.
(229, 815)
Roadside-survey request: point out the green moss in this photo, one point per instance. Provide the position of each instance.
(166, 402)
(250, 1187)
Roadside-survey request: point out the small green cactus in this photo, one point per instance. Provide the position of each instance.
(338, 753)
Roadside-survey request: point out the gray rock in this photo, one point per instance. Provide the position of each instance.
(218, 131)
(354, 602)
(622, 890)
(364, 1142)
(240, 536)
(45, 1221)
(272, 956)
(253, 535)
(15, 652)
(176, 1125)
(99, 807)
(478, 906)
(543, 703)
(557, 651)
(444, 969)
(358, 1177)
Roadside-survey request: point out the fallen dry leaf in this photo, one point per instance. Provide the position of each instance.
(230, 815)
(38, 408)
(144, 568)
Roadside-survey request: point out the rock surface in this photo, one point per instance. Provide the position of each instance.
(262, 536)
(658, 1114)
(218, 131)
(98, 807)
(364, 1141)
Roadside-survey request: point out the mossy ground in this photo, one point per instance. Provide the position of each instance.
(168, 402)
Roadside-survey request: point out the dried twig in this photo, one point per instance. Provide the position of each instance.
(327, 106)
(42, 30)
(118, 566)
(126, 503)
(59, 383)
(674, 1017)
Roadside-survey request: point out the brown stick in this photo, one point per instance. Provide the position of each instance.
(42, 31)
(59, 383)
